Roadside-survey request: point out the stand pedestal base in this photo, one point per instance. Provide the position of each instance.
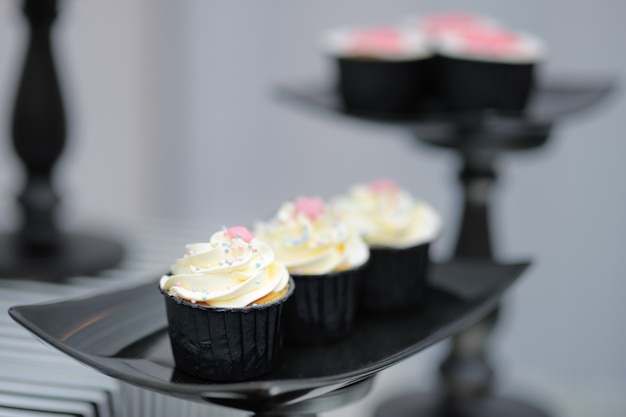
(424, 405)
(77, 254)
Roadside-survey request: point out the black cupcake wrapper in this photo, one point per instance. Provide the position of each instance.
(382, 87)
(394, 280)
(323, 308)
(468, 84)
(435, 83)
(225, 344)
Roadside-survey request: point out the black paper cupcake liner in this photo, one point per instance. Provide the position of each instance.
(468, 84)
(323, 308)
(225, 344)
(394, 280)
(382, 87)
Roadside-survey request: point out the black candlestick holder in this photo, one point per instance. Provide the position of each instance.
(39, 249)
(478, 138)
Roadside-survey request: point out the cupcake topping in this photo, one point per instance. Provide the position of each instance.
(384, 185)
(233, 269)
(377, 39)
(384, 43)
(311, 207)
(310, 240)
(387, 216)
(491, 43)
(241, 233)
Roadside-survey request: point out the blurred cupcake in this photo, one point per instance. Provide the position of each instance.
(224, 302)
(325, 258)
(434, 26)
(399, 230)
(380, 70)
(488, 68)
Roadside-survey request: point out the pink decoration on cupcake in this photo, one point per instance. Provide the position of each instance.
(240, 232)
(379, 39)
(311, 207)
(485, 40)
(383, 186)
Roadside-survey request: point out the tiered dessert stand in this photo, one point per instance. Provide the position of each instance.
(478, 138)
(124, 334)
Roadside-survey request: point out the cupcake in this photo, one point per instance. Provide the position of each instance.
(483, 67)
(398, 230)
(434, 26)
(224, 302)
(380, 70)
(325, 258)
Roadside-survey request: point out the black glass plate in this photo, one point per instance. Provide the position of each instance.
(123, 334)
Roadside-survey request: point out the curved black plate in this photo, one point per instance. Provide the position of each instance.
(123, 334)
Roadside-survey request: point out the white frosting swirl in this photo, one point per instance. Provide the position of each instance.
(387, 43)
(388, 216)
(492, 45)
(234, 269)
(311, 240)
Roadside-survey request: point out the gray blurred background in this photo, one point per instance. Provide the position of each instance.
(173, 114)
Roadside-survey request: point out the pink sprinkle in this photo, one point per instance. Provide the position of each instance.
(240, 232)
(383, 185)
(178, 284)
(311, 207)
